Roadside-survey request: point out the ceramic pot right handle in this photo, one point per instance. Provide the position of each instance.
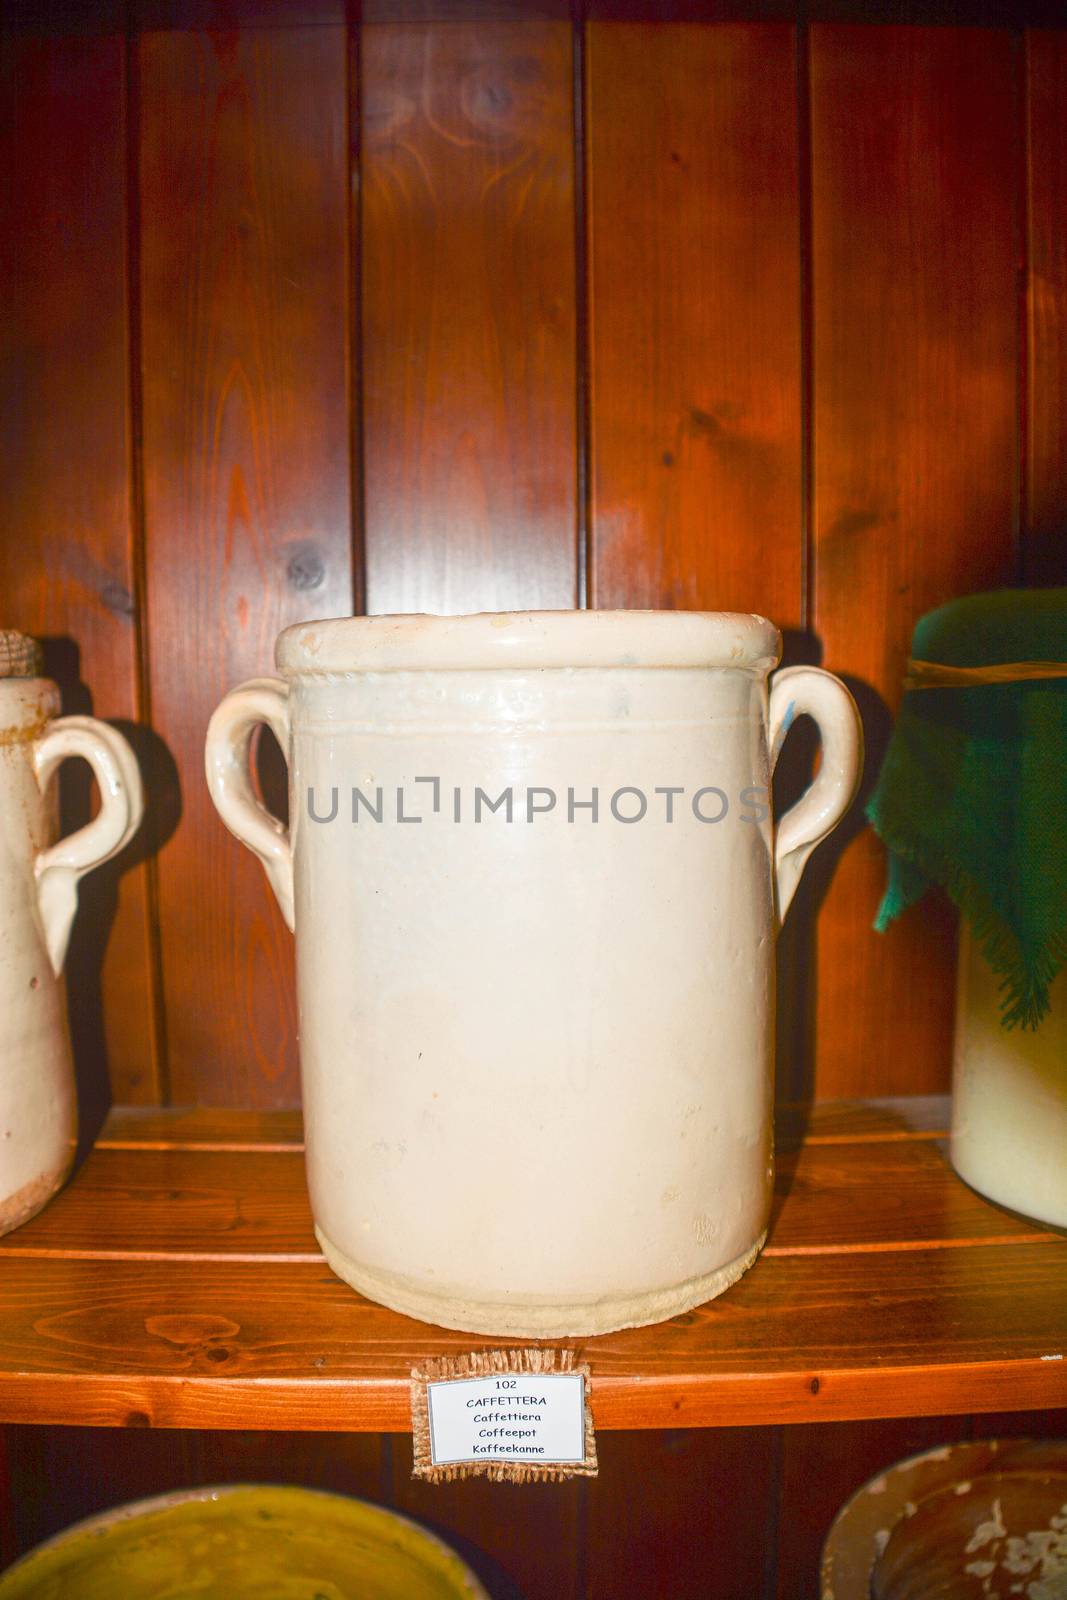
(226, 762)
(809, 691)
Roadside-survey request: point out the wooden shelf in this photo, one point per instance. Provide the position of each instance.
(176, 1283)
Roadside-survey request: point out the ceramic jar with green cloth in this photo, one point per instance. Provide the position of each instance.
(973, 796)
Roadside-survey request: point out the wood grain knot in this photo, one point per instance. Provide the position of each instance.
(851, 523)
(118, 598)
(305, 568)
(189, 1332)
(503, 100)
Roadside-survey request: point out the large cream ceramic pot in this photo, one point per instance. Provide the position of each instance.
(536, 1040)
(38, 898)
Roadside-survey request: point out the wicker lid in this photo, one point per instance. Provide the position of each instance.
(20, 656)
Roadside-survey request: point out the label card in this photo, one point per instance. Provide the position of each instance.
(524, 1417)
(515, 1416)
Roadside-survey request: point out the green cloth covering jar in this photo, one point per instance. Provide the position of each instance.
(973, 791)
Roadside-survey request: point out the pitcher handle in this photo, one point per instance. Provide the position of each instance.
(58, 868)
(809, 691)
(226, 762)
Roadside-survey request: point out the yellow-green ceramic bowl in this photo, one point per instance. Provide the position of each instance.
(243, 1542)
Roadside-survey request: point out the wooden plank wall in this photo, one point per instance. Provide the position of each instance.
(476, 307)
(69, 547)
(307, 318)
(489, 313)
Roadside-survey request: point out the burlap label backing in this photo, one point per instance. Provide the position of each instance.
(485, 1364)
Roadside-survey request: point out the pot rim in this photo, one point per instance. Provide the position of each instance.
(131, 1510)
(529, 640)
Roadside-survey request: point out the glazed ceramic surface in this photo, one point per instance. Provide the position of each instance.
(243, 1542)
(38, 898)
(887, 1522)
(535, 887)
(1009, 1096)
(987, 1538)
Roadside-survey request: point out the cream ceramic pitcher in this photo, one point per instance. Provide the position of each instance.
(38, 898)
(535, 887)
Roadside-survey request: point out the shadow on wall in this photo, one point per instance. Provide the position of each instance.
(98, 891)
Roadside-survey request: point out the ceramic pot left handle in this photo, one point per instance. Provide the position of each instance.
(59, 868)
(226, 762)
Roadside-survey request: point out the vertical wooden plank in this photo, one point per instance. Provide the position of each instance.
(468, 316)
(67, 570)
(244, 177)
(525, 1544)
(695, 502)
(683, 1513)
(1045, 533)
(696, 362)
(823, 1464)
(915, 250)
(695, 383)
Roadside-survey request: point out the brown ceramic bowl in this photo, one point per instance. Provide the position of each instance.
(995, 1537)
(877, 1514)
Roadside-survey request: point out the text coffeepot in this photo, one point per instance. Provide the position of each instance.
(535, 887)
(38, 899)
